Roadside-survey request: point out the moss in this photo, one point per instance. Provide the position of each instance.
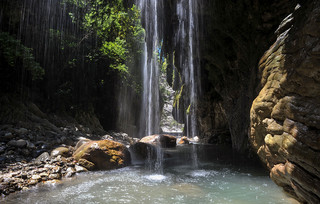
(177, 98)
(104, 154)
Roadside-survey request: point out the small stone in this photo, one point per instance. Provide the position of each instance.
(56, 169)
(80, 169)
(33, 182)
(21, 131)
(36, 177)
(30, 145)
(54, 176)
(44, 174)
(43, 157)
(63, 151)
(25, 188)
(70, 172)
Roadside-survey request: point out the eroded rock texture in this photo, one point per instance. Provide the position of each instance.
(285, 116)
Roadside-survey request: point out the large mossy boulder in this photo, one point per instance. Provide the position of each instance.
(165, 141)
(103, 155)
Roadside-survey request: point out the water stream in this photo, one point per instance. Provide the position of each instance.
(150, 115)
(222, 177)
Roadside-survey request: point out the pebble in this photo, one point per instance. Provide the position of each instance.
(36, 177)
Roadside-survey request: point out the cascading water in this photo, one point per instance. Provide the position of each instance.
(187, 39)
(150, 115)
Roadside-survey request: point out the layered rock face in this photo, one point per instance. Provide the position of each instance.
(285, 116)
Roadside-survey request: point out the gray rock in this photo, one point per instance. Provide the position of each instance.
(55, 176)
(30, 145)
(17, 143)
(80, 169)
(70, 172)
(21, 131)
(43, 157)
(21, 143)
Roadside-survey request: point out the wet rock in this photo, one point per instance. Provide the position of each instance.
(54, 176)
(183, 140)
(70, 172)
(80, 169)
(63, 151)
(104, 154)
(33, 182)
(166, 141)
(142, 151)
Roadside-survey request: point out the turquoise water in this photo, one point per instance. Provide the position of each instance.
(222, 177)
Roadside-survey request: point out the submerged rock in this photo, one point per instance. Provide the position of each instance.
(104, 154)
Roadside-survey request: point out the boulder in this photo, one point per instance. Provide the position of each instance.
(165, 141)
(104, 154)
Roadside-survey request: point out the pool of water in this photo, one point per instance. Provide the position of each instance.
(221, 177)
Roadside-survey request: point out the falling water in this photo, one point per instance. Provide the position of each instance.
(150, 116)
(187, 40)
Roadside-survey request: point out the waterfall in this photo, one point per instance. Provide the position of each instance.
(187, 41)
(150, 115)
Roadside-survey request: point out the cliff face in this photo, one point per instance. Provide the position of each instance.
(234, 35)
(285, 116)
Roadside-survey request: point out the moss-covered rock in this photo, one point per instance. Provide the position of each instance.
(104, 154)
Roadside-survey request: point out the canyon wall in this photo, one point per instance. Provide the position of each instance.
(285, 116)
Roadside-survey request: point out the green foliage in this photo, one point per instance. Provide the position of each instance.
(13, 52)
(117, 27)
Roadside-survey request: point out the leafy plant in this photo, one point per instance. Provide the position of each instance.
(13, 52)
